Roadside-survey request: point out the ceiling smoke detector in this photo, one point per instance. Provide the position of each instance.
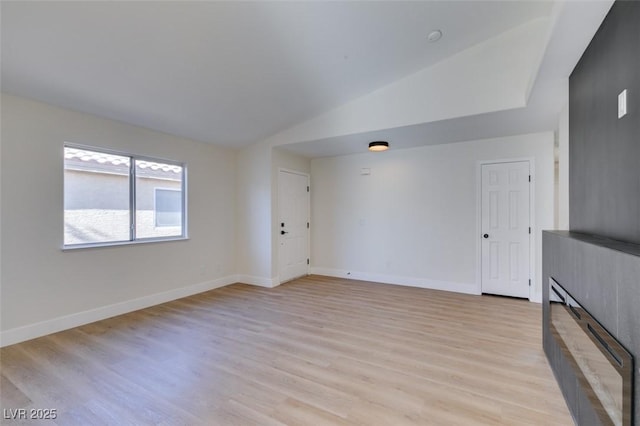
(434, 36)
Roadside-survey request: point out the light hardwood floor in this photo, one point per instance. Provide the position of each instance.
(313, 351)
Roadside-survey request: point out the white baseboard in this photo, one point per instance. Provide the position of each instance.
(468, 288)
(258, 281)
(31, 331)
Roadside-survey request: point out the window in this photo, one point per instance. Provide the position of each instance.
(112, 198)
(168, 207)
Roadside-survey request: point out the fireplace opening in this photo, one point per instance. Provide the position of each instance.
(604, 368)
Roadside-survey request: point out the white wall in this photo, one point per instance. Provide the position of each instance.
(254, 239)
(45, 289)
(413, 220)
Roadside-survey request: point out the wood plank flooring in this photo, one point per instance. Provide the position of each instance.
(315, 351)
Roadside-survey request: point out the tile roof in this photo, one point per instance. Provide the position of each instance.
(116, 160)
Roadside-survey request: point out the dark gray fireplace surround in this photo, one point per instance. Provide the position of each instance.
(603, 276)
(598, 261)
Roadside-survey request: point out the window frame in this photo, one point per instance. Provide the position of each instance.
(133, 239)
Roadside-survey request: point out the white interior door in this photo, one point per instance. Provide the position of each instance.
(293, 226)
(505, 228)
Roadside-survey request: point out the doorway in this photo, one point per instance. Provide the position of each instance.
(505, 228)
(293, 225)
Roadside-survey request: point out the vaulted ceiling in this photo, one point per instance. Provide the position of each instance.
(321, 78)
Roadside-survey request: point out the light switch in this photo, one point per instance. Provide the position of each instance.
(622, 103)
(365, 171)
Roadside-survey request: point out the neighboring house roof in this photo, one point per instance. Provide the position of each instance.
(99, 162)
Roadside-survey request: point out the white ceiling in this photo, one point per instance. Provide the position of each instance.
(573, 28)
(235, 73)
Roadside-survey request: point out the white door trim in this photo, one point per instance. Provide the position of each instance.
(276, 228)
(532, 220)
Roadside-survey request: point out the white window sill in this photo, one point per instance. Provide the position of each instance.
(122, 243)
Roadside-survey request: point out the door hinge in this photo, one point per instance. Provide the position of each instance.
(529, 178)
(307, 261)
(307, 225)
(307, 188)
(529, 230)
(529, 283)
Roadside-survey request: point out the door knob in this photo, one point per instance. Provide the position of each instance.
(283, 232)
(486, 235)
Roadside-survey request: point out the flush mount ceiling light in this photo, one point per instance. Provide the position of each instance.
(377, 146)
(434, 36)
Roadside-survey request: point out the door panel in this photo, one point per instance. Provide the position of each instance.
(505, 228)
(293, 206)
